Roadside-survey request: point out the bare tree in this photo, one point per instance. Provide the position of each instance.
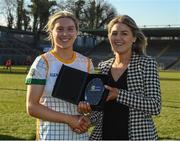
(40, 9)
(8, 8)
(15, 14)
(25, 19)
(97, 13)
(19, 11)
(92, 14)
(10, 20)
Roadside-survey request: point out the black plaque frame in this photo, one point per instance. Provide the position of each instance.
(71, 85)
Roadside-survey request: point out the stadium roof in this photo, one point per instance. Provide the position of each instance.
(149, 32)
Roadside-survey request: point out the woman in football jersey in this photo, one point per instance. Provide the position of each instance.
(57, 119)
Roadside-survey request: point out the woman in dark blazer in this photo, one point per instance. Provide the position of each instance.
(134, 87)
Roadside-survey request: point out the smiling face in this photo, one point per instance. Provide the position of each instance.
(64, 33)
(121, 38)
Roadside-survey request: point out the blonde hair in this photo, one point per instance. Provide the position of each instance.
(51, 22)
(139, 46)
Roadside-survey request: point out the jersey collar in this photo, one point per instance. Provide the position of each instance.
(69, 61)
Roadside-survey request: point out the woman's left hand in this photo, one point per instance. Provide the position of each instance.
(84, 108)
(113, 93)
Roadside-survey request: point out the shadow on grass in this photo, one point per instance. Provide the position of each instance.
(7, 137)
(5, 72)
(170, 79)
(10, 89)
(167, 138)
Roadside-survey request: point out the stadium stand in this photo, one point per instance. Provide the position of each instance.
(101, 52)
(16, 46)
(163, 44)
(166, 52)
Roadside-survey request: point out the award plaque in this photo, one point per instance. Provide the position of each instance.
(74, 85)
(94, 91)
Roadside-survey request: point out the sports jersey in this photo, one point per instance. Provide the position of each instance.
(44, 71)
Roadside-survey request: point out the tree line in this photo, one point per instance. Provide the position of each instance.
(32, 15)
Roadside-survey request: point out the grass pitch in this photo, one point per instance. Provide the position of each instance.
(15, 124)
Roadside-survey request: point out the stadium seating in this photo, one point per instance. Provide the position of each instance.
(18, 46)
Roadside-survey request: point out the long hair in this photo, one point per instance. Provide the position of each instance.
(139, 46)
(51, 22)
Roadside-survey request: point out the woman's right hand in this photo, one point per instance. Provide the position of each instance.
(78, 123)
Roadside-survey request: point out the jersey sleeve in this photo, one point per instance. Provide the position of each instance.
(37, 73)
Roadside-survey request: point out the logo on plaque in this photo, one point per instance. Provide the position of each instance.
(94, 91)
